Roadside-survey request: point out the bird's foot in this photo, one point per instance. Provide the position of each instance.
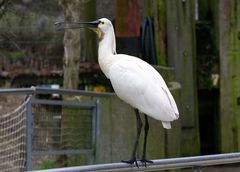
(131, 161)
(144, 161)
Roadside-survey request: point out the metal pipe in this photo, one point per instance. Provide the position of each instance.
(17, 91)
(29, 131)
(162, 164)
(70, 92)
(38, 90)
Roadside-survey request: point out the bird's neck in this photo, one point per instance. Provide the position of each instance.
(107, 44)
(106, 50)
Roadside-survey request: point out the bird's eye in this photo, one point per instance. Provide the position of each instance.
(101, 22)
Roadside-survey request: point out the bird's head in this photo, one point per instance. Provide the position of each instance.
(104, 26)
(100, 26)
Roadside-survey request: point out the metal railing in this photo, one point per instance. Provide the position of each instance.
(163, 164)
(39, 90)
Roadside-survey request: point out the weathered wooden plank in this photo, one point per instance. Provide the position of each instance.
(229, 26)
(170, 138)
(236, 61)
(225, 92)
(123, 129)
(172, 32)
(181, 55)
(173, 142)
(156, 140)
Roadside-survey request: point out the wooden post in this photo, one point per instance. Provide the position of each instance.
(229, 39)
(182, 56)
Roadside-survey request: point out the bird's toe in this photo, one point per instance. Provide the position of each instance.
(145, 162)
(131, 161)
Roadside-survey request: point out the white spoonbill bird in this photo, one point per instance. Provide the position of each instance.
(134, 81)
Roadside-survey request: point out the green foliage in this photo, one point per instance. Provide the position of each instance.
(46, 164)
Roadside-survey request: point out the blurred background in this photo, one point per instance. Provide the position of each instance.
(194, 44)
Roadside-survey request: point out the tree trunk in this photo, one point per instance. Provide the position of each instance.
(72, 49)
(79, 45)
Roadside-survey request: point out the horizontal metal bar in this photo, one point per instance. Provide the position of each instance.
(70, 92)
(64, 103)
(38, 90)
(162, 164)
(62, 152)
(17, 91)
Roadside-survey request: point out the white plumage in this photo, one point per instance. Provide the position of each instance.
(135, 81)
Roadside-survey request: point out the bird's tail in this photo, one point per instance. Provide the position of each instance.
(166, 125)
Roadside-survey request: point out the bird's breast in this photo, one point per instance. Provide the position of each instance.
(105, 62)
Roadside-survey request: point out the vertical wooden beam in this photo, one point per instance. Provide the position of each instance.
(235, 53)
(173, 143)
(123, 128)
(182, 56)
(229, 42)
(157, 10)
(225, 92)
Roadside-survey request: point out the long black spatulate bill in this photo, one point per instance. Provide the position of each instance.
(75, 25)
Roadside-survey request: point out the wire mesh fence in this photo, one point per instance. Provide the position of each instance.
(13, 139)
(51, 130)
(63, 133)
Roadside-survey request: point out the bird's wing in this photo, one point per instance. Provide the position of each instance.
(172, 101)
(157, 77)
(132, 75)
(124, 76)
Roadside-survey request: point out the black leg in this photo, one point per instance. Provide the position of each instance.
(146, 128)
(139, 128)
